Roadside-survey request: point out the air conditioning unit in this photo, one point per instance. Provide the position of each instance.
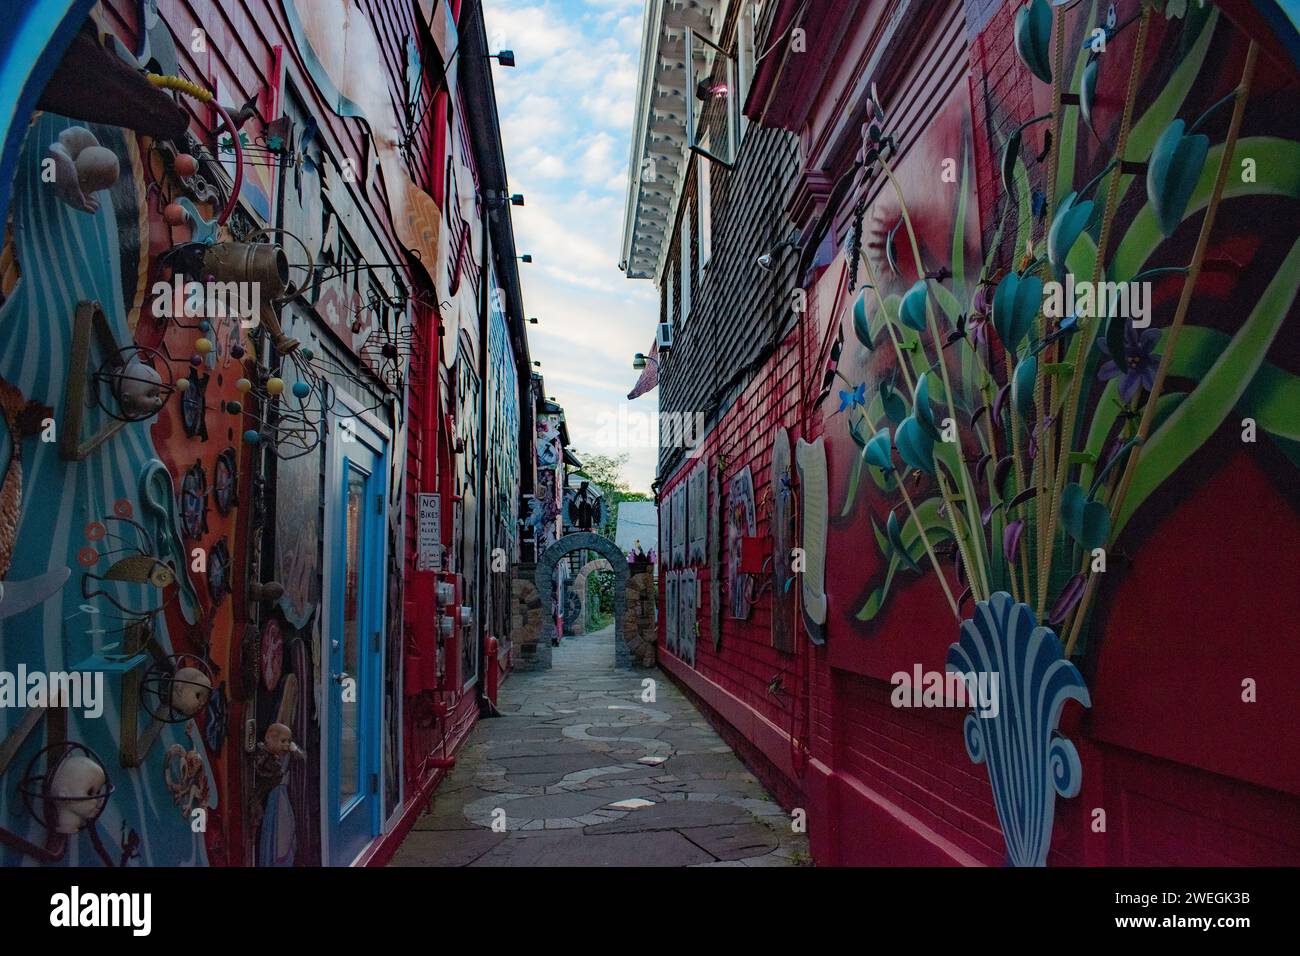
(664, 337)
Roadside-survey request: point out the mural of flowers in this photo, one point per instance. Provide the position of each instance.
(1060, 426)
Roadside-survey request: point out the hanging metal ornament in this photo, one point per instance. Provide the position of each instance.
(194, 501)
(225, 481)
(135, 563)
(70, 793)
(176, 688)
(219, 571)
(139, 381)
(288, 421)
(389, 354)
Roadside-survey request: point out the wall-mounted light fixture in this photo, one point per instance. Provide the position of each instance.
(526, 257)
(517, 199)
(766, 260)
(505, 57)
(640, 360)
(532, 320)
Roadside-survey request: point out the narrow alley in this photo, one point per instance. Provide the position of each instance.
(588, 775)
(647, 433)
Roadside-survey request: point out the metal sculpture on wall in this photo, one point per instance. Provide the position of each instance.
(1028, 762)
(134, 563)
(389, 354)
(126, 386)
(584, 507)
(176, 688)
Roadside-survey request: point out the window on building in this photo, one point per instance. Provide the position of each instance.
(704, 200)
(669, 305)
(711, 75)
(688, 265)
(745, 65)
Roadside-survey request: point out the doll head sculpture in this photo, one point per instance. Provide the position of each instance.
(190, 690)
(139, 389)
(78, 790)
(279, 740)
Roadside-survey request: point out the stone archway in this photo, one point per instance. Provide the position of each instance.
(545, 578)
(580, 586)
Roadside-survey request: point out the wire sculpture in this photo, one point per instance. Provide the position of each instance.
(137, 565)
(176, 688)
(139, 380)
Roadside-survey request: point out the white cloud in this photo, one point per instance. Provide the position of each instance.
(566, 116)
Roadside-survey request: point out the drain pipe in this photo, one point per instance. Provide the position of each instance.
(485, 706)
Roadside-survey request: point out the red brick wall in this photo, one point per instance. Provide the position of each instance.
(893, 785)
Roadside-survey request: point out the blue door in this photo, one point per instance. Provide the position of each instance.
(353, 688)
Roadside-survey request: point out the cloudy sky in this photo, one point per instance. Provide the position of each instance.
(566, 116)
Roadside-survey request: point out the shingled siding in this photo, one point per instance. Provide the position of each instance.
(738, 311)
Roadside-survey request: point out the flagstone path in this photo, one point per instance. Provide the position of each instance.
(580, 771)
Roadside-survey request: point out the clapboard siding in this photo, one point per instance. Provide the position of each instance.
(241, 36)
(913, 94)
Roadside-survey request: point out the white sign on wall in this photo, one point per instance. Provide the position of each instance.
(428, 527)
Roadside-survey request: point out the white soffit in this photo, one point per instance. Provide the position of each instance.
(659, 129)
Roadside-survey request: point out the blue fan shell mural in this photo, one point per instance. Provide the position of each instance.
(1029, 763)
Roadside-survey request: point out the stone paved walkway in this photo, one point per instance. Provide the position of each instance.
(584, 773)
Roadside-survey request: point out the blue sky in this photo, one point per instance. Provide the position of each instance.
(566, 118)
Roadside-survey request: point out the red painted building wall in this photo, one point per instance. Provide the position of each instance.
(1185, 772)
(246, 52)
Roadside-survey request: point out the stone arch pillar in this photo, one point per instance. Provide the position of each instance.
(545, 577)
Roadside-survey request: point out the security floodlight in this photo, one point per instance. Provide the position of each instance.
(517, 199)
(505, 57)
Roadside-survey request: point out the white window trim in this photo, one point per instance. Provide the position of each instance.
(704, 206)
(670, 314)
(688, 266)
(746, 27)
